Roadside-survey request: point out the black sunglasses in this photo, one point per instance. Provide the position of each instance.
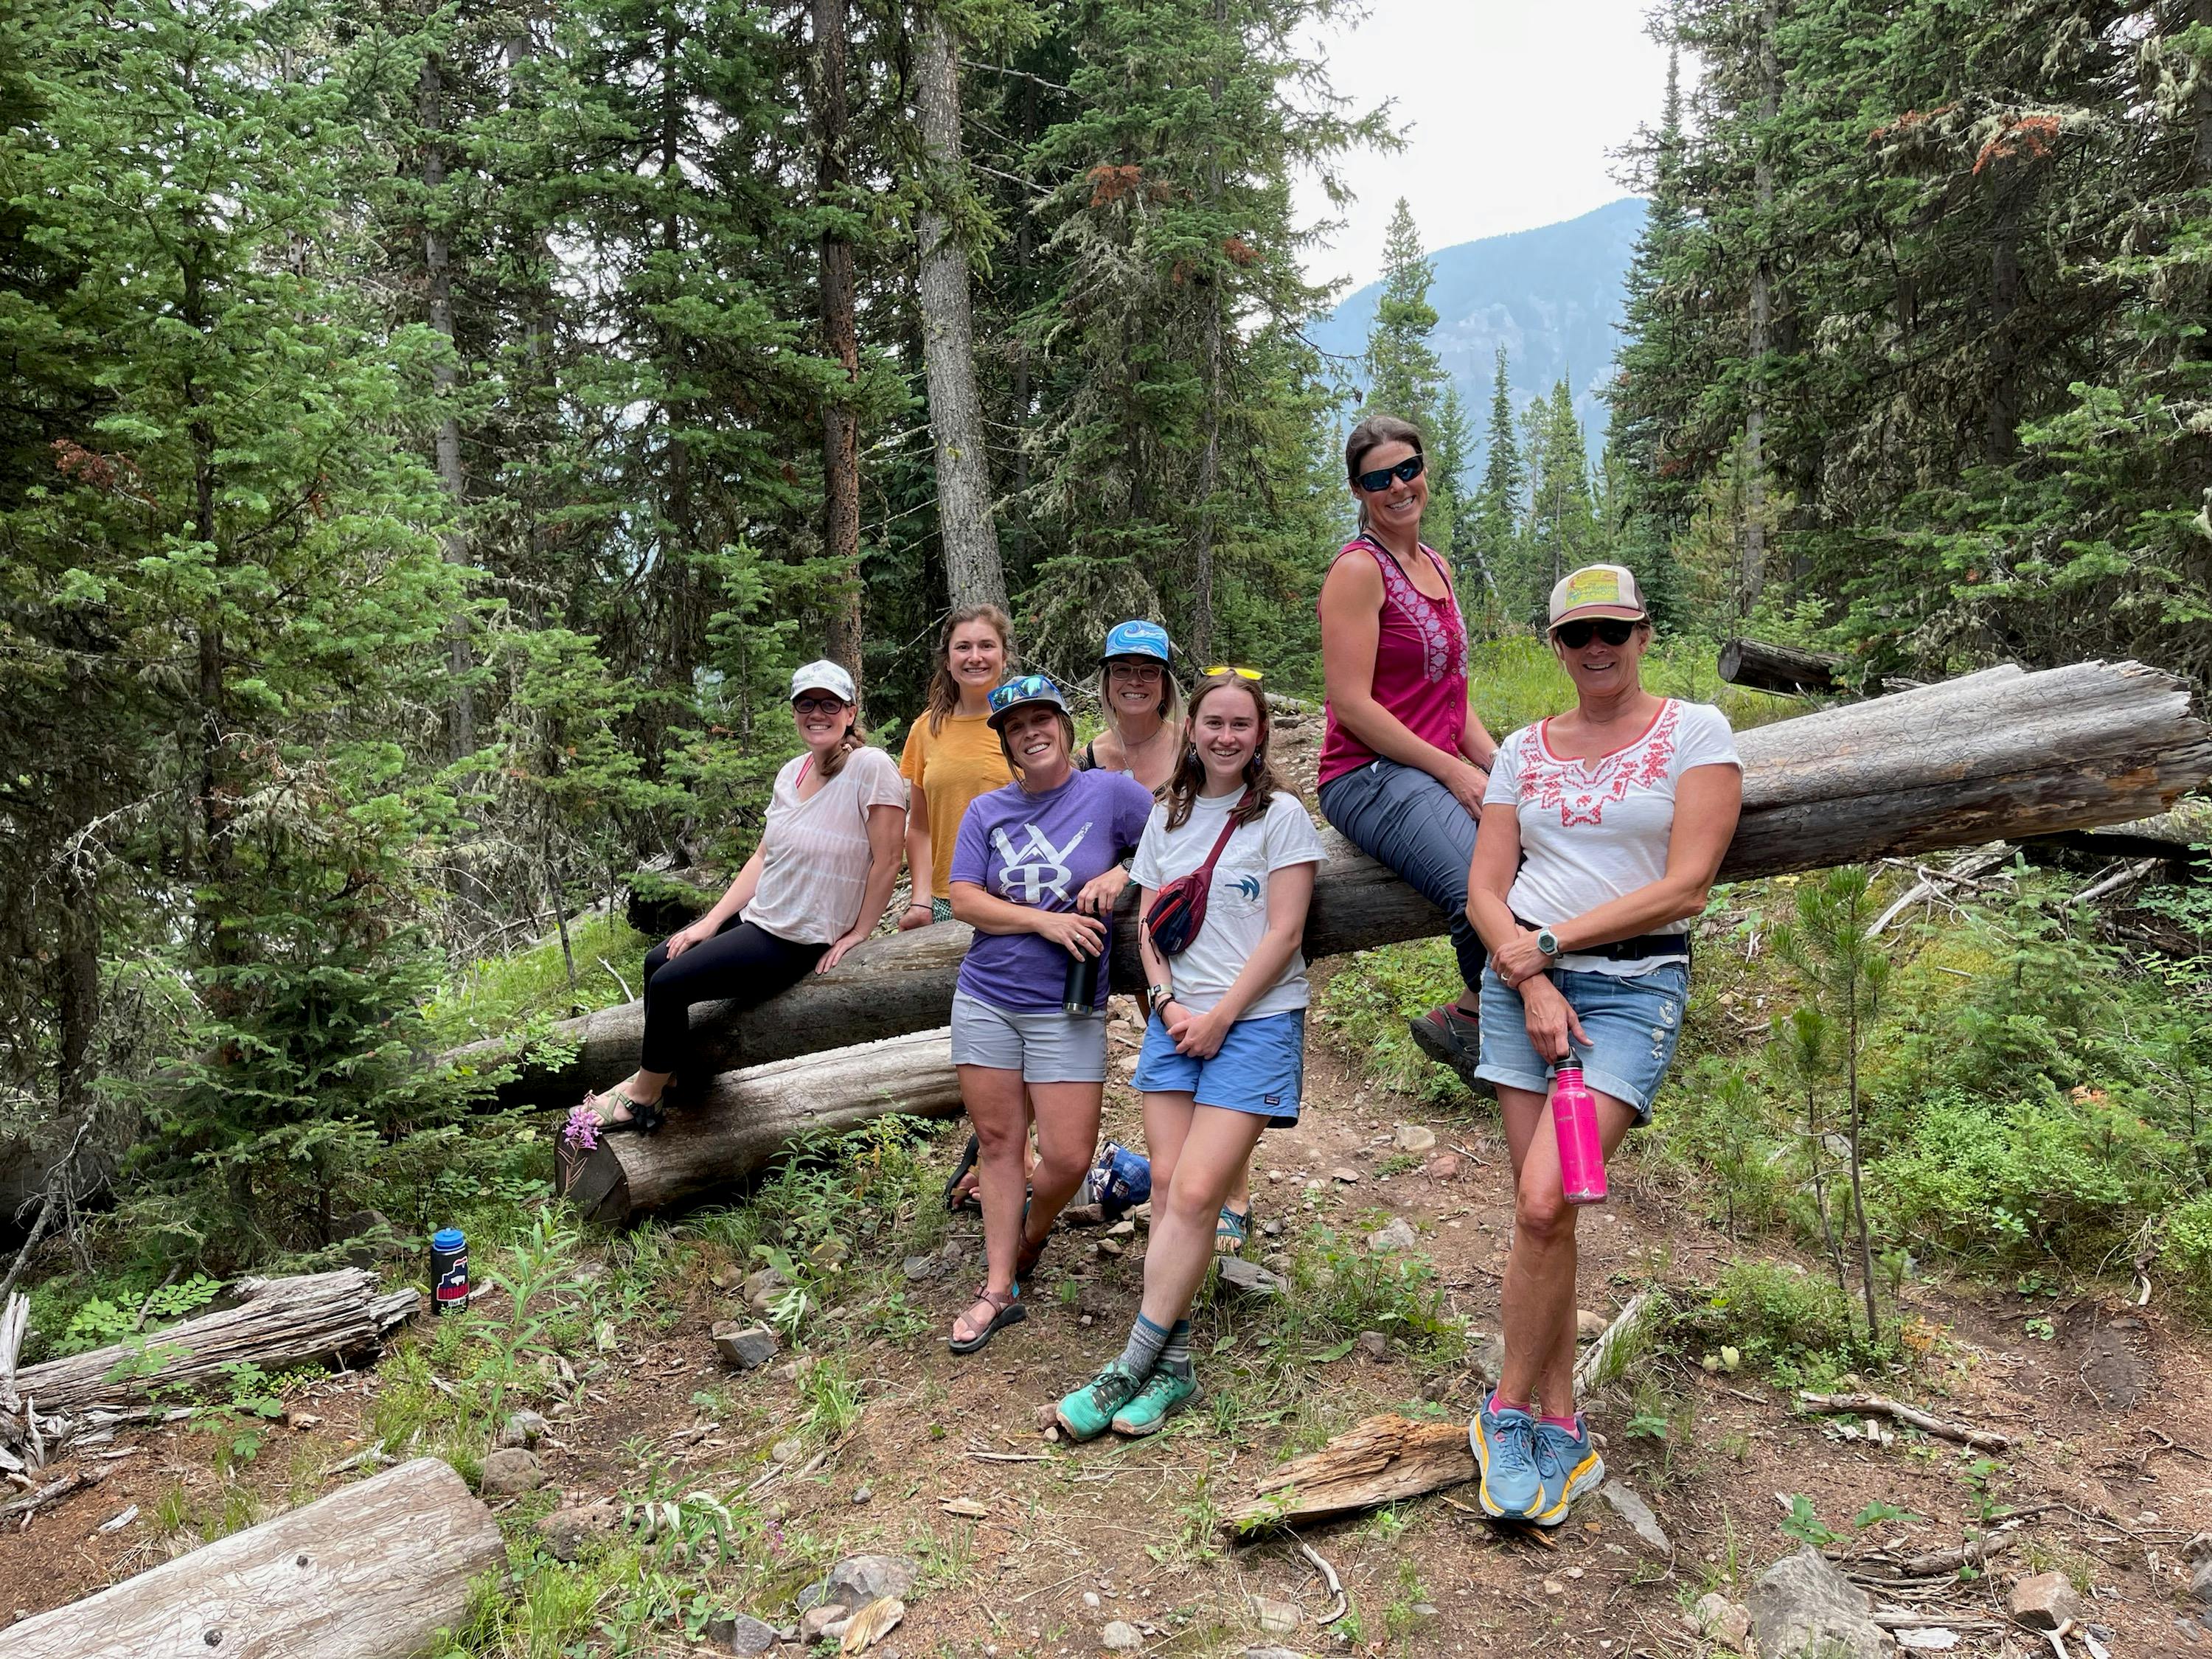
(806, 705)
(1577, 634)
(1376, 482)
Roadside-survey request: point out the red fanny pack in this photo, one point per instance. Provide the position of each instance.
(1178, 909)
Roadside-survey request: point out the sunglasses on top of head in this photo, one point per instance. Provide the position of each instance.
(1577, 634)
(1376, 482)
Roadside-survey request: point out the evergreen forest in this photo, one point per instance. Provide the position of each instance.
(431, 434)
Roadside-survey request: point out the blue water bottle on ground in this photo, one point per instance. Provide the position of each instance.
(449, 1270)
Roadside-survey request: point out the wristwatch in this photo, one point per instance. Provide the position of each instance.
(1156, 994)
(1548, 942)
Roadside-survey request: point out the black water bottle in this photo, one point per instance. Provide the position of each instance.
(1079, 994)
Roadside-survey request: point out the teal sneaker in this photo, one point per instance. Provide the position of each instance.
(1568, 1465)
(1163, 1396)
(1084, 1415)
(1504, 1448)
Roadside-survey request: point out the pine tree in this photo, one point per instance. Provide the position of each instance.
(1561, 532)
(1497, 504)
(1407, 378)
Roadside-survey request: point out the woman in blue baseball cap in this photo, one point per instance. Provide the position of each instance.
(1138, 692)
(1036, 870)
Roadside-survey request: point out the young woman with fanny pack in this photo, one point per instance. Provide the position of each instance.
(1226, 869)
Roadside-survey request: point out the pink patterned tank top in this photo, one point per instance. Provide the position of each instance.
(1420, 664)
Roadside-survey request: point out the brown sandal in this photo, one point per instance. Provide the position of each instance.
(1006, 1309)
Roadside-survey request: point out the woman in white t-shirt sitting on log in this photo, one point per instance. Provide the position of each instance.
(1602, 830)
(1224, 1049)
(814, 887)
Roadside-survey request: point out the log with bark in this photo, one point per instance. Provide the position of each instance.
(1764, 667)
(1998, 755)
(374, 1571)
(742, 1119)
(272, 1323)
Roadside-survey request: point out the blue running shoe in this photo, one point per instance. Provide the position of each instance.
(1505, 1451)
(1569, 1466)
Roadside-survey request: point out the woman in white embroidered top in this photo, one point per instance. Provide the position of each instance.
(814, 887)
(1602, 830)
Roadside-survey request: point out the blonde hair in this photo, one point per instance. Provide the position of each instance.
(944, 689)
(1261, 777)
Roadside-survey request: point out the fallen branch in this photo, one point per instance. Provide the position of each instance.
(52, 1492)
(1329, 1581)
(2127, 876)
(1960, 873)
(1374, 1462)
(1874, 1405)
(274, 1323)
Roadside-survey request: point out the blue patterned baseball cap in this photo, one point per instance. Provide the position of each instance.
(1025, 688)
(1136, 639)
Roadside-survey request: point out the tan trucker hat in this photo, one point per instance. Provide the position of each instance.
(1596, 590)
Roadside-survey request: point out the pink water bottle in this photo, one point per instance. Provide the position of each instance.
(1582, 1154)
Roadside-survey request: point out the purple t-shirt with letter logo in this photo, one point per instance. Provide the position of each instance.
(1040, 850)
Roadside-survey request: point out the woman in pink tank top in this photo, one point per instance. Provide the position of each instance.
(1404, 760)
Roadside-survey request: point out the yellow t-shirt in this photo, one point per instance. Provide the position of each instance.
(951, 766)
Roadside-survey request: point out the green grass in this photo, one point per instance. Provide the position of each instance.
(501, 997)
(1517, 680)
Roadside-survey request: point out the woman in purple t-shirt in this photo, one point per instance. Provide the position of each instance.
(1035, 872)
(1404, 760)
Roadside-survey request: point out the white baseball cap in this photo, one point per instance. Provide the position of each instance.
(823, 676)
(1597, 590)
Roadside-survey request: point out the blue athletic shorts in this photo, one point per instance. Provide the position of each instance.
(1258, 1069)
(1632, 1025)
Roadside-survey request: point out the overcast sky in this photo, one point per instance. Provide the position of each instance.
(1510, 110)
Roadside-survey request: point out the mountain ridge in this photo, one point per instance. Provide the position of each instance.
(1551, 295)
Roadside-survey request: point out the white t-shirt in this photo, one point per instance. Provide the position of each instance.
(1235, 900)
(815, 851)
(1594, 830)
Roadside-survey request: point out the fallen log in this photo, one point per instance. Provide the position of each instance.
(1994, 755)
(273, 1324)
(374, 1571)
(742, 1119)
(1764, 667)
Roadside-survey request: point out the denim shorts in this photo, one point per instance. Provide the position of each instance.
(1632, 1025)
(1258, 1068)
(1043, 1044)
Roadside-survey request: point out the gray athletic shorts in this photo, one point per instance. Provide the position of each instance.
(1043, 1044)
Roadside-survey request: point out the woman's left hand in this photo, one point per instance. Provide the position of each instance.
(835, 953)
(1101, 893)
(1519, 960)
(1199, 1035)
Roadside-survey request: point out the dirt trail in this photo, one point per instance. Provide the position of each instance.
(1072, 1538)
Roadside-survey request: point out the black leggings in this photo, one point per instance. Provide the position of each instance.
(742, 962)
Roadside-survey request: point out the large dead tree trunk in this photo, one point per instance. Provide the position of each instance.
(1995, 756)
(948, 331)
(840, 426)
(273, 1324)
(374, 1571)
(742, 1119)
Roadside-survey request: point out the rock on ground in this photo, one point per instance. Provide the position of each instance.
(1589, 1325)
(1724, 1621)
(2043, 1602)
(524, 1429)
(1276, 1618)
(1803, 1608)
(1413, 1138)
(740, 1634)
(1399, 1235)
(566, 1532)
(814, 1624)
(509, 1473)
(1120, 1636)
(748, 1347)
(1238, 1274)
(859, 1579)
(1637, 1513)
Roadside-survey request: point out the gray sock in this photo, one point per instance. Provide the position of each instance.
(1174, 1352)
(1145, 1342)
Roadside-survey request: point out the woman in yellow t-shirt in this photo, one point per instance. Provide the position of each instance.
(952, 755)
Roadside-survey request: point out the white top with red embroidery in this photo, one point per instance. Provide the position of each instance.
(1594, 830)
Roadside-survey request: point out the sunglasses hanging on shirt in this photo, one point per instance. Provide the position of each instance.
(1577, 634)
(1376, 482)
